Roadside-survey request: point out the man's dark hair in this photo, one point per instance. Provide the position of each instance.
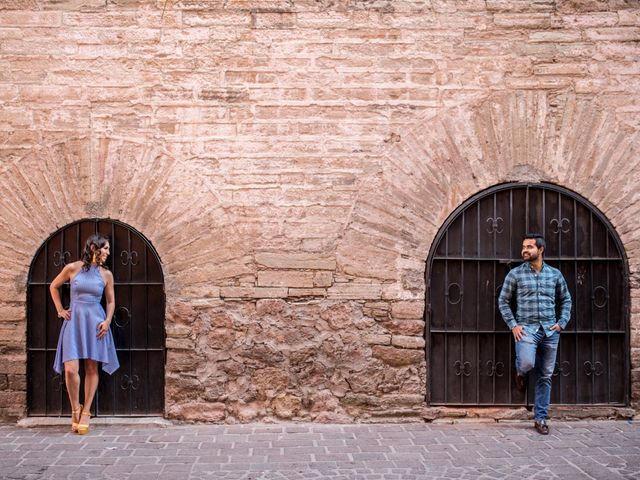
(540, 243)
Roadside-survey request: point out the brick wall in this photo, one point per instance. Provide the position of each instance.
(292, 161)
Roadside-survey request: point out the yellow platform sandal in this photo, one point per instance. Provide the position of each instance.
(75, 415)
(83, 428)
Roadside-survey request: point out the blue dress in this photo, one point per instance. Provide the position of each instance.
(78, 336)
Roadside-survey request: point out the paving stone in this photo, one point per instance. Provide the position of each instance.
(354, 452)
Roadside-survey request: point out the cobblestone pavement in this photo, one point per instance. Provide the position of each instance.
(594, 449)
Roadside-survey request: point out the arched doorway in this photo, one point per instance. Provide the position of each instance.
(137, 387)
(471, 349)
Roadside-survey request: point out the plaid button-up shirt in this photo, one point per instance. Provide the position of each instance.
(536, 295)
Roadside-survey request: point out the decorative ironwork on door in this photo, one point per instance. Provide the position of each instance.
(471, 358)
(137, 387)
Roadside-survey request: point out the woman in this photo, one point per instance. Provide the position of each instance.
(85, 332)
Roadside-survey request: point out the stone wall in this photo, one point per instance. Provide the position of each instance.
(291, 161)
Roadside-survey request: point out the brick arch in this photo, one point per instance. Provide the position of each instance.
(139, 184)
(573, 141)
(570, 140)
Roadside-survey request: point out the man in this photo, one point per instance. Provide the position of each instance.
(536, 330)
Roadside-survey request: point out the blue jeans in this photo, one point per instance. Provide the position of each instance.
(538, 351)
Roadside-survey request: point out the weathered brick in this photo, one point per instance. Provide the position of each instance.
(289, 278)
(404, 327)
(561, 69)
(355, 291)
(13, 364)
(295, 260)
(252, 292)
(322, 279)
(11, 313)
(523, 20)
(278, 20)
(629, 17)
(404, 341)
(12, 399)
(30, 19)
(102, 19)
(398, 357)
(407, 309)
(217, 18)
(378, 339)
(591, 19)
(555, 36)
(614, 34)
(307, 292)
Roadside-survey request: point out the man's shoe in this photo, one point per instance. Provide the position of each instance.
(542, 427)
(521, 382)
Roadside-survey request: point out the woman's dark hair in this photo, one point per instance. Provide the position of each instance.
(94, 243)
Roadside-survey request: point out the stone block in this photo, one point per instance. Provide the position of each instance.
(377, 310)
(273, 20)
(361, 400)
(10, 313)
(378, 339)
(591, 412)
(452, 412)
(286, 278)
(555, 36)
(221, 320)
(286, 405)
(270, 306)
(252, 292)
(591, 19)
(16, 382)
(301, 261)
(629, 17)
(199, 411)
(180, 343)
(221, 338)
(575, 69)
(21, 18)
(404, 327)
(106, 19)
(408, 310)
(400, 399)
(523, 20)
(307, 292)
(398, 357)
(403, 341)
(355, 291)
(178, 331)
(14, 364)
(322, 279)
(12, 399)
(614, 34)
(180, 313)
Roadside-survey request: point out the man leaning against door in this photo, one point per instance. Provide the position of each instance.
(537, 287)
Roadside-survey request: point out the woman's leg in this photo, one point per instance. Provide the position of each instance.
(90, 387)
(72, 380)
(91, 377)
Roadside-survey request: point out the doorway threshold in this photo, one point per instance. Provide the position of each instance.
(32, 422)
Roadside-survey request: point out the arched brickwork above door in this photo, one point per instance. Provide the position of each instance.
(137, 182)
(427, 171)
